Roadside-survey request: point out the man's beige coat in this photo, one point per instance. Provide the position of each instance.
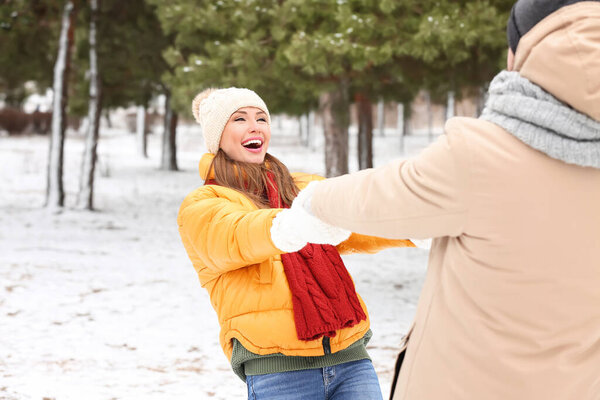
(510, 308)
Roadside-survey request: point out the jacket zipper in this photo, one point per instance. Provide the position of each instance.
(326, 345)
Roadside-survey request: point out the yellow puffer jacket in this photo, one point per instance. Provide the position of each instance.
(228, 241)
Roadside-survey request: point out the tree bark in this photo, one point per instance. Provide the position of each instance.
(90, 156)
(107, 118)
(450, 105)
(381, 117)
(303, 129)
(481, 98)
(365, 131)
(335, 106)
(429, 116)
(400, 125)
(310, 124)
(169, 150)
(54, 190)
(141, 135)
(407, 107)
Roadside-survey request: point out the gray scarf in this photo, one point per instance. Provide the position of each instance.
(542, 121)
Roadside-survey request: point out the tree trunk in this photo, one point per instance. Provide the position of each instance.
(429, 117)
(107, 118)
(310, 124)
(450, 105)
(407, 116)
(400, 125)
(84, 125)
(365, 131)
(381, 117)
(481, 97)
(86, 183)
(335, 107)
(303, 124)
(54, 191)
(169, 150)
(140, 128)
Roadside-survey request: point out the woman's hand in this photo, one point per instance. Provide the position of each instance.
(294, 227)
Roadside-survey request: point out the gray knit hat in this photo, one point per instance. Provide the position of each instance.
(525, 14)
(213, 107)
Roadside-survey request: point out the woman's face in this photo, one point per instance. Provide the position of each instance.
(246, 135)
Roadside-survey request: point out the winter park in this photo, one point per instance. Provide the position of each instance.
(302, 199)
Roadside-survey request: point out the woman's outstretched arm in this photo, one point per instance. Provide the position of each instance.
(225, 235)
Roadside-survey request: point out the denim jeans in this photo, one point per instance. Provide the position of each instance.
(348, 381)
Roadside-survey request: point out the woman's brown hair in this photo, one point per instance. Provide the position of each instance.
(251, 179)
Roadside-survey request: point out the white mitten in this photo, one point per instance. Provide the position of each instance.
(294, 227)
(304, 197)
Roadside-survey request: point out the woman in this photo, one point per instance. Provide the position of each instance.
(292, 324)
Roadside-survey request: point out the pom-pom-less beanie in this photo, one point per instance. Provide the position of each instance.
(213, 107)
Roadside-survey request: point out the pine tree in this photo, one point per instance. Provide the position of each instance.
(130, 46)
(294, 51)
(28, 38)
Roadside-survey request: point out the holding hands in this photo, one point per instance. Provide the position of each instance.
(295, 227)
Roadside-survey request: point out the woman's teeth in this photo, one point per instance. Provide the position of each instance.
(253, 144)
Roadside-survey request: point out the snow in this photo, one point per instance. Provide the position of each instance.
(106, 304)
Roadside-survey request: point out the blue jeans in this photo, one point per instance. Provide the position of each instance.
(348, 381)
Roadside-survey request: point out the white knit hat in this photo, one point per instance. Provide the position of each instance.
(213, 107)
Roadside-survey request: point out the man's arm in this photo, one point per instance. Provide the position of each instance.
(419, 198)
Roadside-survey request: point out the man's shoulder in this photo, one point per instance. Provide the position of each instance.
(467, 126)
(475, 132)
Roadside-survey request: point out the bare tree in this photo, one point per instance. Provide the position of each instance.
(400, 125)
(54, 191)
(381, 117)
(300, 119)
(335, 106)
(429, 116)
(140, 128)
(365, 131)
(169, 146)
(403, 124)
(450, 105)
(306, 123)
(88, 166)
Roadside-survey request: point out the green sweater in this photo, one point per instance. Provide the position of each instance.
(245, 363)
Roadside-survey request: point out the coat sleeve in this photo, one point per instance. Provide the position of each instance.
(224, 235)
(420, 198)
(357, 243)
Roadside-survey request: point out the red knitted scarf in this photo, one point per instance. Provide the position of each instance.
(323, 294)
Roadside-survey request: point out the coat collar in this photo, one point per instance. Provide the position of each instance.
(204, 166)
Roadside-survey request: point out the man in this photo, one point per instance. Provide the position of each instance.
(510, 308)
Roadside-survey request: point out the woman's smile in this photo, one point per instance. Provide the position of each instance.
(253, 144)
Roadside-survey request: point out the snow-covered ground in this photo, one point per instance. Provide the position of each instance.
(106, 305)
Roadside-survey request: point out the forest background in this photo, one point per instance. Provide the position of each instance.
(98, 148)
